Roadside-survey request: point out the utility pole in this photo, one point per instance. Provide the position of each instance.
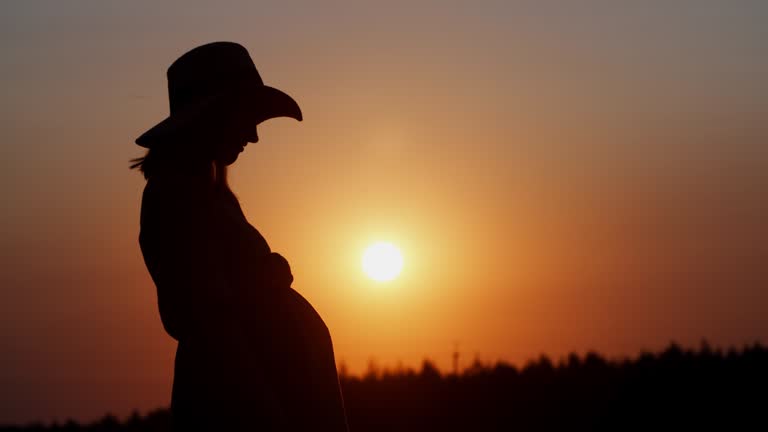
(456, 358)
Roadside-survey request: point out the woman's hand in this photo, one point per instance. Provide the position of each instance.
(279, 271)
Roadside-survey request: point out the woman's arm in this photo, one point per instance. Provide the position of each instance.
(186, 255)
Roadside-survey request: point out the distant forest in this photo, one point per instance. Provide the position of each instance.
(677, 389)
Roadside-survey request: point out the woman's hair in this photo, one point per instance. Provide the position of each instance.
(168, 158)
(189, 150)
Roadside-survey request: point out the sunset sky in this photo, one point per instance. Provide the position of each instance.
(559, 176)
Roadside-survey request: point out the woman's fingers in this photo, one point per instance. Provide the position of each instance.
(281, 270)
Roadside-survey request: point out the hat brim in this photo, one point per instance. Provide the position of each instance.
(262, 102)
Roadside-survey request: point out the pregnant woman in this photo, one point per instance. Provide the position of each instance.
(252, 353)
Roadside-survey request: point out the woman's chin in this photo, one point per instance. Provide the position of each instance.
(229, 159)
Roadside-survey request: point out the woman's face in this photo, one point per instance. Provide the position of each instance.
(237, 131)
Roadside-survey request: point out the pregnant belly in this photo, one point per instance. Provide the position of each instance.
(304, 366)
(285, 369)
(299, 330)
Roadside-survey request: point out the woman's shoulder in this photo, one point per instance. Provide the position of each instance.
(174, 189)
(169, 195)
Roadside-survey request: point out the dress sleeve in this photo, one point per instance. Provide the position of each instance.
(187, 259)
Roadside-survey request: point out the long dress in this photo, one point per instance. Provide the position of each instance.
(250, 355)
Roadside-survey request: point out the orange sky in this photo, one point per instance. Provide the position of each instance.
(558, 180)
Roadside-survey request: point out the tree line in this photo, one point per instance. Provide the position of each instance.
(675, 389)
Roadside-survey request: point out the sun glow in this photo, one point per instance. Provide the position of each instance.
(382, 261)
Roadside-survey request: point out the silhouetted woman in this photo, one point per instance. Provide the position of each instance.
(252, 353)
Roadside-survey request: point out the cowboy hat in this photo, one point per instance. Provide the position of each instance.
(209, 78)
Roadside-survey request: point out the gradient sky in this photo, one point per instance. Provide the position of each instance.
(560, 176)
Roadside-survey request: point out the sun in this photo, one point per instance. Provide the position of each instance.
(382, 261)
